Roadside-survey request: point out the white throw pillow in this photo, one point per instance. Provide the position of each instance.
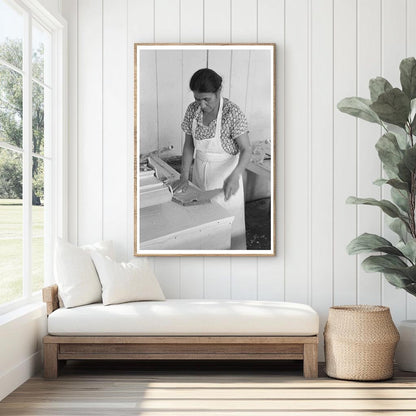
(126, 282)
(75, 273)
(103, 247)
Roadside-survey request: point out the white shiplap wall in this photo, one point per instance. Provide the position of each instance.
(326, 50)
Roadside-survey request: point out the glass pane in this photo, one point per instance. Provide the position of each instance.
(38, 118)
(11, 34)
(41, 46)
(11, 226)
(11, 106)
(38, 230)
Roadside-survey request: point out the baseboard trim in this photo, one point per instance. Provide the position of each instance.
(10, 380)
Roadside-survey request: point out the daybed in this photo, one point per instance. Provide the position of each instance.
(181, 329)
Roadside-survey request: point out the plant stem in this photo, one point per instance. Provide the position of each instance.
(412, 195)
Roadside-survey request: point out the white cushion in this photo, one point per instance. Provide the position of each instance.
(75, 273)
(126, 282)
(103, 247)
(187, 317)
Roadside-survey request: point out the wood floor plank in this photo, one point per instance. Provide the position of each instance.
(93, 390)
(155, 393)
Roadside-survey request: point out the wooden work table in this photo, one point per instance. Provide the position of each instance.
(172, 226)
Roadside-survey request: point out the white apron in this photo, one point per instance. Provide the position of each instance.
(212, 165)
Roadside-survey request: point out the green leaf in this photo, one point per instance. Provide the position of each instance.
(408, 77)
(412, 110)
(411, 289)
(380, 182)
(359, 107)
(381, 263)
(366, 243)
(408, 249)
(378, 86)
(396, 271)
(400, 228)
(389, 208)
(412, 116)
(404, 173)
(390, 173)
(397, 280)
(389, 151)
(400, 198)
(392, 107)
(401, 137)
(398, 184)
(410, 158)
(410, 272)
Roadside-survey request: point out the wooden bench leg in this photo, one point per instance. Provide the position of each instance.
(310, 360)
(50, 360)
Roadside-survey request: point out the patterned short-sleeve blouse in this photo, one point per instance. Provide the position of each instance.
(233, 125)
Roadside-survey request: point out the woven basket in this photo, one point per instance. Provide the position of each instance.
(360, 341)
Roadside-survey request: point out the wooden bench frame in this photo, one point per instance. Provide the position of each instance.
(58, 349)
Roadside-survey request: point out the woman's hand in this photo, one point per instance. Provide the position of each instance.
(231, 185)
(181, 185)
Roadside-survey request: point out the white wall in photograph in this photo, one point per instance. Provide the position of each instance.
(165, 93)
(326, 50)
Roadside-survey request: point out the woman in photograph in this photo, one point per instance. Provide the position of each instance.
(216, 131)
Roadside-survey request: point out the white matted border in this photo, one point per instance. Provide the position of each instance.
(271, 47)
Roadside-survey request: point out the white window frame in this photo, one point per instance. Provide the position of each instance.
(58, 211)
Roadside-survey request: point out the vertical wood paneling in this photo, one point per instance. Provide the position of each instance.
(141, 22)
(244, 278)
(167, 20)
(114, 124)
(239, 77)
(148, 118)
(368, 163)
(169, 89)
(90, 128)
(168, 271)
(393, 51)
(244, 29)
(192, 30)
(312, 66)
(271, 17)
(70, 11)
(192, 21)
(321, 33)
(244, 21)
(258, 93)
(167, 29)
(411, 28)
(140, 30)
(220, 62)
(217, 280)
(192, 278)
(411, 51)
(296, 152)
(217, 19)
(345, 152)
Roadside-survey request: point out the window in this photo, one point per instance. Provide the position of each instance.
(31, 139)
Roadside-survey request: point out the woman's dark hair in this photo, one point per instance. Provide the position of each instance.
(205, 80)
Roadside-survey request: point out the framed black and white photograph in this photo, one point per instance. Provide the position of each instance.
(204, 150)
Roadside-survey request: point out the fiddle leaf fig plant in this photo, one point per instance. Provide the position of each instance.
(394, 109)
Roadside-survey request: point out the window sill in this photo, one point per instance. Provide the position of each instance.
(35, 307)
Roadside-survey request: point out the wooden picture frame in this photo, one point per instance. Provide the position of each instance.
(198, 222)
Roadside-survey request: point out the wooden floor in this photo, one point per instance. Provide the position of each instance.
(191, 389)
